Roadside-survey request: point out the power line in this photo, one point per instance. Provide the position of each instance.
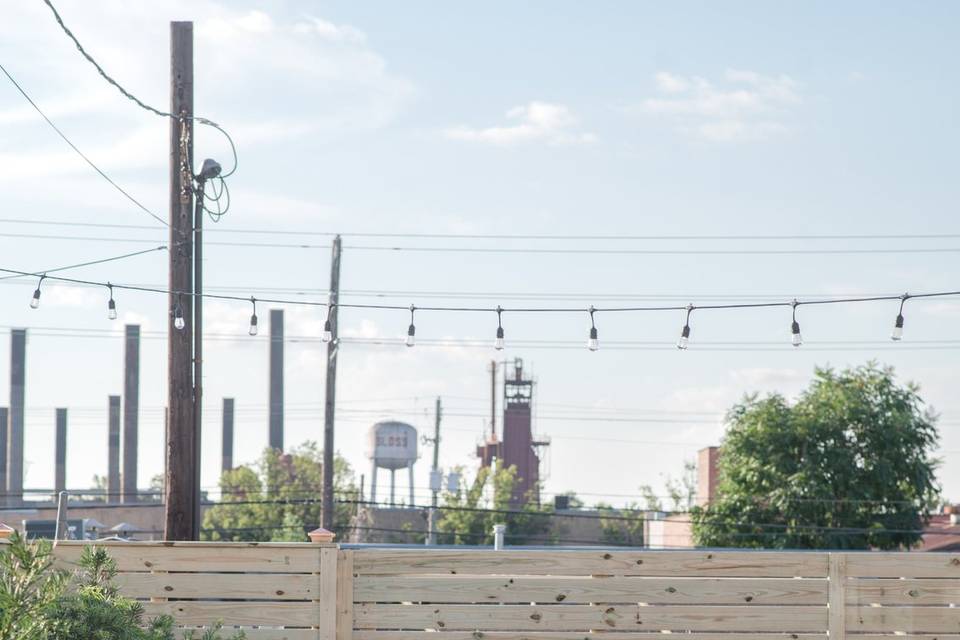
(136, 100)
(91, 262)
(650, 252)
(90, 162)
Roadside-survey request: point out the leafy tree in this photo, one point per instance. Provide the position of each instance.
(622, 526)
(848, 466)
(278, 498)
(469, 513)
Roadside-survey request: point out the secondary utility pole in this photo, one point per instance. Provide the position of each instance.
(435, 480)
(181, 489)
(328, 507)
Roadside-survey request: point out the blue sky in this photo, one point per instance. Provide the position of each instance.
(606, 118)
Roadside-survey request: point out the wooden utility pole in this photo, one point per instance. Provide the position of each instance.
(180, 490)
(435, 478)
(328, 507)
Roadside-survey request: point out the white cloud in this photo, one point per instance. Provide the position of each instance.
(743, 105)
(535, 121)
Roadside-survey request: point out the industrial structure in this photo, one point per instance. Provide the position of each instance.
(518, 448)
(392, 445)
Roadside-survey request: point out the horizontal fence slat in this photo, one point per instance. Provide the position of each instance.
(570, 635)
(239, 557)
(912, 591)
(903, 565)
(277, 614)
(586, 617)
(207, 586)
(909, 619)
(628, 563)
(573, 590)
(259, 634)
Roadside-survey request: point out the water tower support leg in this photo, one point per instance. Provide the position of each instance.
(373, 484)
(393, 487)
(410, 481)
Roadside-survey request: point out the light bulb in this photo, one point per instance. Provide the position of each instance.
(684, 340)
(897, 334)
(411, 332)
(111, 309)
(253, 325)
(35, 302)
(592, 343)
(178, 323)
(498, 343)
(327, 332)
(797, 339)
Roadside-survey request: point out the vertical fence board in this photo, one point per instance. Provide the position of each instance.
(345, 595)
(327, 605)
(838, 596)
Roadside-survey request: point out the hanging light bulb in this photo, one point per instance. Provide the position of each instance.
(253, 317)
(797, 339)
(498, 343)
(592, 343)
(684, 340)
(178, 321)
(111, 305)
(327, 328)
(35, 301)
(897, 334)
(411, 330)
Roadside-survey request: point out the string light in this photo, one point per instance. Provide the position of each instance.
(897, 334)
(498, 343)
(35, 301)
(253, 317)
(592, 343)
(411, 330)
(797, 339)
(327, 327)
(111, 305)
(684, 340)
(178, 321)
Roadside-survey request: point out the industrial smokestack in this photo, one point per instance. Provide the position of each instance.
(276, 379)
(113, 448)
(227, 438)
(60, 475)
(18, 362)
(4, 423)
(131, 406)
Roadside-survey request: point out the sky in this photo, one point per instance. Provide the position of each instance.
(611, 119)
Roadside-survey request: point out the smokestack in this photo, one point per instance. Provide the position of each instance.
(18, 361)
(4, 423)
(60, 476)
(276, 379)
(227, 439)
(113, 448)
(707, 475)
(131, 406)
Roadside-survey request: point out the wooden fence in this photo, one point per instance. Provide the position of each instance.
(300, 591)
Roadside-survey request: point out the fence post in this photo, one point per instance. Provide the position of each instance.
(838, 596)
(344, 595)
(327, 602)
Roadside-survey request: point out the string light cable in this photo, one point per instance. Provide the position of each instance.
(592, 342)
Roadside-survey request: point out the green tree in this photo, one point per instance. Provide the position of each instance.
(848, 466)
(30, 589)
(468, 515)
(622, 526)
(278, 498)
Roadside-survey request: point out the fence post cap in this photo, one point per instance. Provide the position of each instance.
(5, 531)
(321, 535)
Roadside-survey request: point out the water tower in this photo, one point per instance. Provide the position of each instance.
(393, 445)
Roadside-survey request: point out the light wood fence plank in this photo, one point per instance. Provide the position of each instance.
(908, 619)
(571, 635)
(585, 617)
(633, 563)
(345, 591)
(577, 590)
(903, 565)
(238, 557)
(199, 613)
(838, 603)
(260, 634)
(208, 586)
(327, 604)
(912, 591)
